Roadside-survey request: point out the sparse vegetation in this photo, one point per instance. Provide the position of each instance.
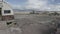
(33, 12)
(54, 14)
(45, 12)
(8, 23)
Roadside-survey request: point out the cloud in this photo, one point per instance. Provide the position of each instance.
(38, 5)
(53, 8)
(42, 5)
(15, 6)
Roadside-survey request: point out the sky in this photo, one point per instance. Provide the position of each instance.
(45, 5)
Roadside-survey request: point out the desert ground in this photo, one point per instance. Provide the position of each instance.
(33, 24)
(37, 24)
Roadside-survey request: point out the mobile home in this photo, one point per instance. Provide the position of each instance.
(6, 12)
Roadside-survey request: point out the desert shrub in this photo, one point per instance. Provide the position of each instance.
(33, 12)
(8, 23)
(55, 13)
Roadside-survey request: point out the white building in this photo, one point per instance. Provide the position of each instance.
(6, 12)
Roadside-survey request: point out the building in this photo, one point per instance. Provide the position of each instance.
(6, 12)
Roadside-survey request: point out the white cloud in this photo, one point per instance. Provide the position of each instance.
(42, 5)
(38, 5)
(54, 8)
(15, 6)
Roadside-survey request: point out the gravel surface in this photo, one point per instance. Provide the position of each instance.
(35, 24)
(32, 24)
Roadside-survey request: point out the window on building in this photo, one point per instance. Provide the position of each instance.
(7, 11)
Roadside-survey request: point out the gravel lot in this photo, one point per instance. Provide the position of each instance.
(33, 24)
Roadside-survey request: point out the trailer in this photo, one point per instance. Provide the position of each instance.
(6, 13)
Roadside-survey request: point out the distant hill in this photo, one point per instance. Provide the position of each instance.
(18, 10)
